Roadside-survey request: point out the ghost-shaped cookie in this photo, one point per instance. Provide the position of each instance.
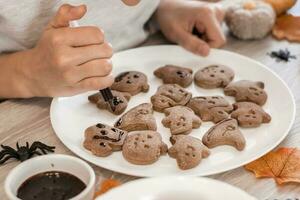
(244, 90)
(188, 151)
(170, 95)
(132, 82)
(102, 140)
(249, 114)
(120, 101)
(211, 108)
(138, 118)
(214, 76)
(171, 74)
(226, 132)
(180, 120)
(143, 147)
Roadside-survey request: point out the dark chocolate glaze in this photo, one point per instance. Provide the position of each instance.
(121, 76)
(51, 185)
(181, 74)
(102, 144)
(100, 125)
(117, 101)
(103, 132)
(119, 122)
(96, 137)
(113, 139)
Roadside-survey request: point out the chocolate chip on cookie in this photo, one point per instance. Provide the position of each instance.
(170, 95)
(143, 147)
(102, 139)
(211, 108)
(225, 132)
(214, 76)
(247, 91)
(188, 151)
(180, 120)
(132, 82)
(120, 101)
(171, 74)
(249, 114)
(138, 118)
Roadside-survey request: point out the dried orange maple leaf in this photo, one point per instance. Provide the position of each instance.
(287, 27)
(283, 165)
(106, 185)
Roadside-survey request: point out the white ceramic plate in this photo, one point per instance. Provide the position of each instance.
(71, 116)
(176, 188)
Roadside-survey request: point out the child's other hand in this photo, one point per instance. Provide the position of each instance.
(178, 18)
(67, 61)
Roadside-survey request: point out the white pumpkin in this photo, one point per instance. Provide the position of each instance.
(250, 20)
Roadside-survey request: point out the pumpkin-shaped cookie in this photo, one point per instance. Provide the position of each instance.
(250, 19)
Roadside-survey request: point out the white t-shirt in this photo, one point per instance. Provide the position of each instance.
(22, 21)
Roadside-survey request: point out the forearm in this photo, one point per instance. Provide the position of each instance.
(14, 82)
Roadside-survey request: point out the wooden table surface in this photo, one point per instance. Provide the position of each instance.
(28, 120)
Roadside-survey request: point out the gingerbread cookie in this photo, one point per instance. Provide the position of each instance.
(211, 108)
(138, 118)
(180, 120)
(247, 91)
(170, 95)
(143, 147)
(171, 74)
(188, 151)
(132, 82)
(102, 139)
(249, 114)
(214, 76)
(225, 132)
(120, 101)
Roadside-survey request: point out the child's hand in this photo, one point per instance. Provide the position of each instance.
(68, 61)
(178, 18)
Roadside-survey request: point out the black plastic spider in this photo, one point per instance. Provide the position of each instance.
(282, 55)
(24, 152)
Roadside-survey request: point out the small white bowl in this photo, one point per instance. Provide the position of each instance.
(54, 162)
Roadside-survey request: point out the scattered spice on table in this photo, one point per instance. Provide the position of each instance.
(106, 185)
(23, 153)
(283, 165)
(282, 55)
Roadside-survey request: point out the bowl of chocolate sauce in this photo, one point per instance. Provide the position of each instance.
(51, 177)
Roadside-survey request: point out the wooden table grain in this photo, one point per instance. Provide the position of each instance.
(28, 120)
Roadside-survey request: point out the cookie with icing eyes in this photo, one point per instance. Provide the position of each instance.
(171, 74)
(180, 120)
(188, 151)
(120, 101)
(214, 76)
(249, 114)
(170, 95)
(102, 140)
(143, 147)
(138, 118)
(244, 90)
(226, 132)
(132, 82)
(211, 108)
